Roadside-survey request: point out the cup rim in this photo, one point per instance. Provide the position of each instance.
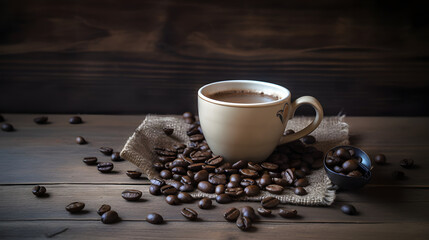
(231, 104)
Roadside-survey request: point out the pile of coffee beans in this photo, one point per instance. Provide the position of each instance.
(344, 162)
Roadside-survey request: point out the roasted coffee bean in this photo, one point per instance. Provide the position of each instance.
(270, 202)
(380, 159)
(231, 171)
(168, 131)
(80, 140)
(131, 195)
(104, 208)
(235, 178)
(275, 174)
(158, 166)
(288, 213)
(185, 197)
(106, 151)
(300, 191)
(214, 161)
(105, 167)
(176, 184)
(338, 169)
(350, 165)
(252, 190)
(178, 170)
(342, 153)
(192, 130)
(205, 186)
(186, 180)
(269, 166)
(264, 212)
(348, 209)
(7, 127)
(289, 175)
(200, 156)
(169, 152)
(407, 163)
(249, 212)
(190, 174)
(231, 214)
(180, 147)
(265, 180)
(75, 120)
(154, 218)
(233, 185)
(39, 190)
(186, 188)
(280, 181)
(109, 217)
(189, 213)
(40, 120)
(254, 166)
(177, 177)
(274, 189)
(203, 146)
(168, 190)
(205, 203)
(223, 198)
(196, 167)
(202, 175)
(244, 223)
(189, 120)
(306, 170)
(157, 181)
(172, 200)
(166, 159)
(248, 173)
(133, 174)
(166, 174)
(179, 163)
(354, 173)
(188, 151)
(196, 138)
(234, 192)
(239, 164)
(309, 139)
(75, 207)
(247, 182)
(303, 182)
(208, 168)
(90, 160)
(155, 190)
(398, 175)
(188, 115)
(220, 189)
(217, 179)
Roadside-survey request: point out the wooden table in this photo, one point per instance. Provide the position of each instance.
(48, 155)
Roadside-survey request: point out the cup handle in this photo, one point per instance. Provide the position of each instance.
(312, 126)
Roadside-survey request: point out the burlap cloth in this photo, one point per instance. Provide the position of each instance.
(331, 132)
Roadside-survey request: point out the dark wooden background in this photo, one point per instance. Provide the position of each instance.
(356, 57)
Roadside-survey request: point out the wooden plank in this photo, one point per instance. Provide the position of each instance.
(402, 205)
(212, 230)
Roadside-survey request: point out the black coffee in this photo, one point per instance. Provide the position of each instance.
(243, 96)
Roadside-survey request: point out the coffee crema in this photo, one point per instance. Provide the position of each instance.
(243, 96)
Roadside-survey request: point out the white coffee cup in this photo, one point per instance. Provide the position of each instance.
(250, 131)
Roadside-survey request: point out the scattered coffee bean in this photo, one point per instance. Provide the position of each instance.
(342, 153)
(131, 195)
(249, 212)
(166, 174)
(157, 181)
(39, 190)
(116, 157)
(186, 188)
(104, 208)
(106, 151)
(205, 203)
(269, 166)
(407, 163)
(223, 198)
(303, 182)
(252, 190)
(248, 173)
(75, 207)
(205, 186)
(244, 223)
(133, 174)
(75, 120)
(264, 212)
(239, 164)
(154, 218)
(234, 191)
(398, 175)
(7, 127)
(348, 209)
(288, 213)
(201, 175)
(155, 190)
(309, 139)
(270, 202)
(380, 159)
(185, 197)
(168, 190)
(216, 179)
(349, 165)
(41, 120)
(274, 188)
(105, 167)
(168, 131)
(300, 191)
(90, 160)
(80, 140)
(172, 200)
(189, 213)
(231, 214)
(109, 217)
(220, 189)
(214, 161)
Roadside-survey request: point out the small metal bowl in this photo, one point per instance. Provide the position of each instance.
(347, 182)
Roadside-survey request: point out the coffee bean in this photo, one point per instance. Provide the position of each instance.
(231, 214)
(265, 180)
(214, 161)
(155, 190)
(274, 189)
(249, 212)
(196, 166)
(248, 173)
(172, 200)
(186, 188)
(80, 140)
(398, 175)
(232, 185)
(252, 190)
(168, 131)
(299, 173)
(349, 165)
(275, 174)
(208, 168)
(179, 163)
(157, 181)
(188, 151)
(270, 202)
(131, 195)
(158, 166)
(244, 223)
(188, 115)
(223, 198)
(348, 209)
(220, 189)
(247, 182)
(303, 182)
(154, 218)
(104, 208)
(200, 156)
(166, 159)
(269, 166)
(185, 197)
(105, 167)
(239, 164)
(39, 190)
(407, 163)
(90, 160)
(217, 179)
(166, 174)
(338, 169)
(264, 212)
(180, 147)
(7, 127)
(380, 159)
(288, 213)
(289, 175)
(342, 153)
(109, 217)
(75, 207)
(168, 190)
(234, 192)
(300, 191)
(116, 157)
(231, 171)
(201, 175)
(41, 120)
(189, 213)
(162, 151)
(106, 151)
(205, 186)
(254, 166)
(133, 174)
(354, 173)
(192, 130)
(280, 181)
(205, 203)
(187, 180)
(178, 170)
(309, 139)
(75, 120)
(196, 138)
